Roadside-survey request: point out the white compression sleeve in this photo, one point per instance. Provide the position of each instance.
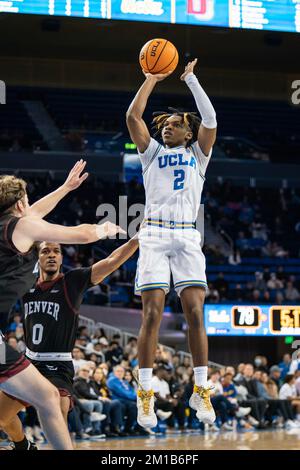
(203, 103)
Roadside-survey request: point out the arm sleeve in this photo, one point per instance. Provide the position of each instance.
(77, 282)
(203, 102)
(150, 153)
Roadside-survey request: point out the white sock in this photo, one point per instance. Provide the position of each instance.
(298, 416)
(201, 376)
(145, 377)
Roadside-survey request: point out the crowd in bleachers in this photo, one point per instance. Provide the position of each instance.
(262, 225)
(245, 396)
(86, 117)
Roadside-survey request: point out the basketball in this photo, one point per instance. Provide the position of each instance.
(158, 56)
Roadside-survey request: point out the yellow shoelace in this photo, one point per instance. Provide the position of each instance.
(145, 397)
(205, 395)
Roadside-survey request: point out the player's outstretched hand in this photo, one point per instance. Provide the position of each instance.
(75, 178)
(108, 229)
(159, 77)
(189, 69)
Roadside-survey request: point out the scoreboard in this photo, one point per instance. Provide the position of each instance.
(276, 15)
(255, 320)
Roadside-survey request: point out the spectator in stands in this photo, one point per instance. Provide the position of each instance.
(131, 347)
(165, 402)
(13, 342)
(78, 359)
(16, 322)
(261, 363)
(114, 355)
(259, 282)
(285, 365)
(256, 296)
(259, 230)
(275, 373)
(274, 283)
(291, 293)
(295, 364)
(230, 392)
(258, 405)
(81, 343)
(111, 408)
(240, 370)
(121, 390)
(79, 420)
(281, 274)
(83, 333)
(104, 367)
(175, 361)
(277, 407)
(230, 370)
(288, 392)
(97, 347)
(88, 398)
(101, 347)
(130, 379)
(225, 408)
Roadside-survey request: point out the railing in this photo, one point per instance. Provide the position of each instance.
(90, 324)
(110, 331)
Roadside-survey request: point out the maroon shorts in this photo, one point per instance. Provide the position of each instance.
(11, 363)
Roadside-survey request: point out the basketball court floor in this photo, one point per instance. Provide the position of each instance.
(252, 440)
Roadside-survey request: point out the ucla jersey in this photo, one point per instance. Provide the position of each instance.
(173, 180)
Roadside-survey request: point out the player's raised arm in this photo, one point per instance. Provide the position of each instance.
(134, 117)
(105, 267)
(45, 205)
(30, 229)
(208, 128)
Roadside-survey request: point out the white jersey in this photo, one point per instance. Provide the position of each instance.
(173, 180)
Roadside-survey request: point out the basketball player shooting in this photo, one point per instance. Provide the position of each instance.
(21, 225)
(169, 243)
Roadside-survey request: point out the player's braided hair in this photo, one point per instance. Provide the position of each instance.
(190, 119)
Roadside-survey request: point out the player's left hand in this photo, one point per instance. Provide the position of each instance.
(189, 69)
(75, 178)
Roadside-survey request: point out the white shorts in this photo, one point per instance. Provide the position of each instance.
(164, 252)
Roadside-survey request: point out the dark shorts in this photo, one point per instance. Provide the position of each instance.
(60, 374)
(11, 362)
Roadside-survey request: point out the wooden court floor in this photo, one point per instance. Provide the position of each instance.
(252, 440)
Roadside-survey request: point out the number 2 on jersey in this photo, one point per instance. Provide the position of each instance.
(179, 179)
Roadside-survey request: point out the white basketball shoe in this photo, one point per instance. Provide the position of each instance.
(200, 402)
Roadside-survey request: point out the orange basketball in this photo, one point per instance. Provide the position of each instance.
(158, 56)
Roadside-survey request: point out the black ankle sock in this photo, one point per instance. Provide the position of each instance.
(22, 445)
